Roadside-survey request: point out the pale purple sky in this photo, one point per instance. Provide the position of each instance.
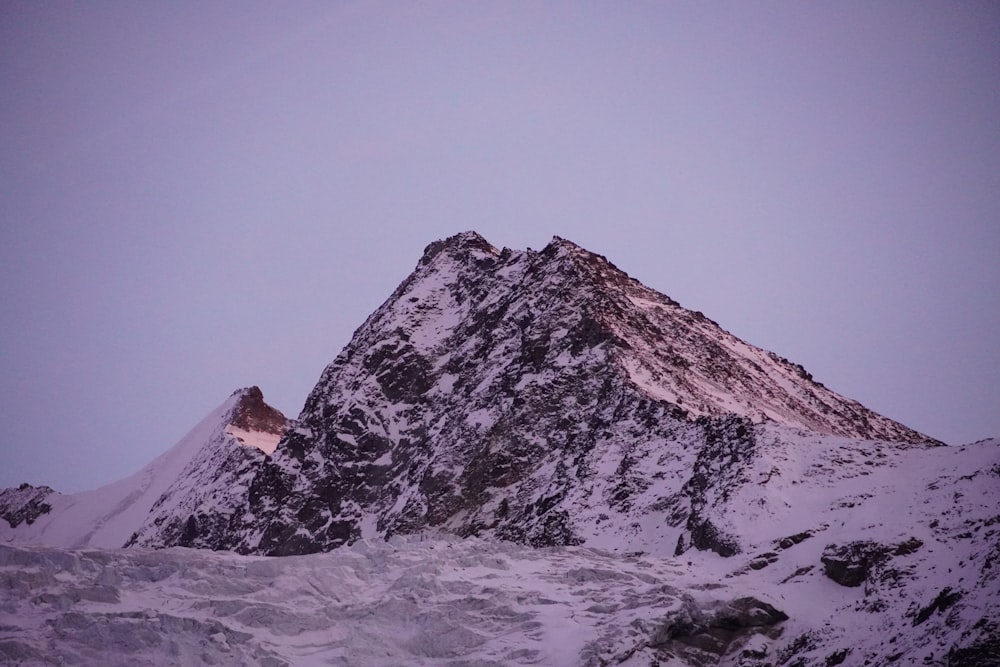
(200, 196)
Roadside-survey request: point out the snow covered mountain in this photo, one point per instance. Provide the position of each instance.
(540, 397)
(211, 464)
(525, 458)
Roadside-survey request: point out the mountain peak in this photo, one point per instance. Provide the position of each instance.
(560, 243)
(253, 422)
(485, 372)
(462, 243)
(555, 304)
(251, 413)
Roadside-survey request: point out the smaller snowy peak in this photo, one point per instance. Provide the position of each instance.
(207, 466)
(255, 423)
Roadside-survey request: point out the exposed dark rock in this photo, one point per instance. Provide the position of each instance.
(789, 654)
(985, 652)
(763, 560)
(798, 573)
(190, 533)
(945, 598)
(714, 628)
(837, 657)
(718, 469)
(24, 504)
(850, 564)
(908, 547)
(854, 563)
(704, 536)
(792, 540)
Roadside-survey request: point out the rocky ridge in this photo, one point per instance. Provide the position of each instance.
(24, 504)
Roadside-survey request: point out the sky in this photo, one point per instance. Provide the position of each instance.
(197, 197)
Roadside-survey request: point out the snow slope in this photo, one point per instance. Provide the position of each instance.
(439, 600)
(921, 532)
(167, 486)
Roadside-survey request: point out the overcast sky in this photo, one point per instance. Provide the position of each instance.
(196, 197)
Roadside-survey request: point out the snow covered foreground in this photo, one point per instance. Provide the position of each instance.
(409, 602)
(849, 554)
(435, 601)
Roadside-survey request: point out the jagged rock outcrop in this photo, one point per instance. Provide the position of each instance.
(704, 634)
(854, 563)
(24, 504)
(255, 423)
(251, 413)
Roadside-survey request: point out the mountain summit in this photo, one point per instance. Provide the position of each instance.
(501, 392)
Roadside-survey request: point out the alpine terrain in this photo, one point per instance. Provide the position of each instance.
(211, 464)
(524, 458)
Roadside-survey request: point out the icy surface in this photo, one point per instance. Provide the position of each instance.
(448, 601)
(416, 602)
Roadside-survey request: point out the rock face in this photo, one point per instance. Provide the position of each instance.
(541, 397)
(855, 563)
(702, 635)
(251, 413)
(24, 504)
(255, 423)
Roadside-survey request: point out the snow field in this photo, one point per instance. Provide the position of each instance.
(411, 601)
